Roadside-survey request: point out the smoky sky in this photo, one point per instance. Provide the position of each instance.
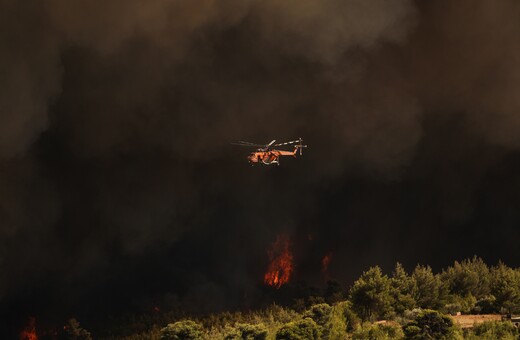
(118, 186)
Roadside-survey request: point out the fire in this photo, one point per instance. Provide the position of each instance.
(325, 262)
(29, 333)
(280, 263)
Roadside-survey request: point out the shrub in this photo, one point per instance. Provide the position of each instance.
(485, 305)
(320, 313)
(338, 322)
(305, 329)
(495, 330)
(352, 320)
(248, 331)
(464, 304)
(378, 332)
(182, 330)
(430, 324)
(229, 333)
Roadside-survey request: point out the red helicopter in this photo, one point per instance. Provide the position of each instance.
(266, 155)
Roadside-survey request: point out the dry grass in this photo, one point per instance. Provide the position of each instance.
(467, 321)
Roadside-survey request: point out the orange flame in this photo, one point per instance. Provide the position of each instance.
(325, 262)
(280, 263)
(29, 332)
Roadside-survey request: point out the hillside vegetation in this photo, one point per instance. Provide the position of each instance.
(400, 305)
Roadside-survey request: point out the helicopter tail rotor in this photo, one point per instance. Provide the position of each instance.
(300, 145)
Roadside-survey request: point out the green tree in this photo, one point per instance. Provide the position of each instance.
(505, 287)
(371, 295)
(429, 291)
(338, 322)
(469, 277)
(182, 330)
(321, 314)
(430, 324)
(403, 287)
(305, 329)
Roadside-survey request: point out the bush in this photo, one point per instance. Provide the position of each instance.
(464, 304)
(321, 314)
(486, 305)
(182, 330)
(248, 331)
(495, 330)
(352, 320)
(305, 329)
(378, 332)
(430, 324)
(228, 333)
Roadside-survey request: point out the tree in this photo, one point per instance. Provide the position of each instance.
(370, 295)
(469, 277)
(429, 291)
(305, 329)
(321, 314)
(430, 324)
(338, 322)
(182, 330)
(403, 287)
(505, 287)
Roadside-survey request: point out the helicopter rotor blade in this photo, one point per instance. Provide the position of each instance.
(242, 143)
(287, 143)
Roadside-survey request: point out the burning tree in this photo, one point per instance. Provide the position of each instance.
(29, 332)
(280, 262)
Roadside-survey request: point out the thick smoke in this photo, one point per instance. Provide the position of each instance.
(116, 172)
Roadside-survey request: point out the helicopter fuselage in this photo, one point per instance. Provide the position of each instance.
(269, 157)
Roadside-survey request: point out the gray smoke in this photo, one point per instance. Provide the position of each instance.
(116, 118)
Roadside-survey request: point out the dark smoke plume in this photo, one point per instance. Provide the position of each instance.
(118, 186)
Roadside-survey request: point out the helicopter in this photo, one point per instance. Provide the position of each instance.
(265, 154)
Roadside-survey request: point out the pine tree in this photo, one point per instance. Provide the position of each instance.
(403, 287)
(371, 295)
